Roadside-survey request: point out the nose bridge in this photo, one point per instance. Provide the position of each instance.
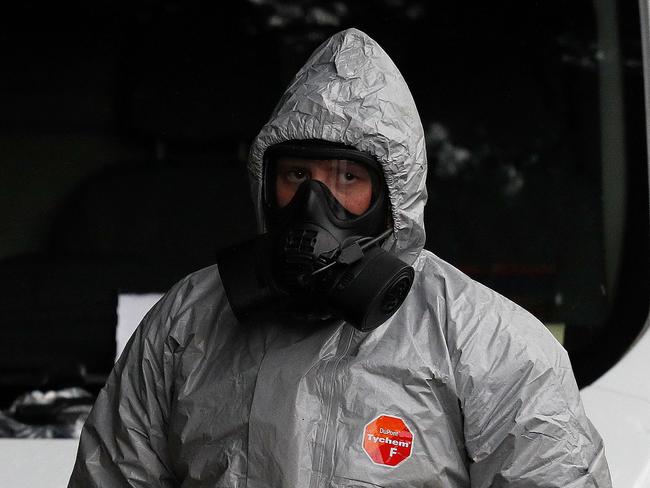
(325, 174)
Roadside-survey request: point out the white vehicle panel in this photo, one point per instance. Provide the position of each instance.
(618, 404)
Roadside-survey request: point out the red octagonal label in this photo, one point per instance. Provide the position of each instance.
(387, 440)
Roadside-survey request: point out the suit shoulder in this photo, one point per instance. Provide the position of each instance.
(198, 294)
(473, 313)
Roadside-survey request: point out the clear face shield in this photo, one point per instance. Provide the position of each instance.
(352, 184)
(353, 178)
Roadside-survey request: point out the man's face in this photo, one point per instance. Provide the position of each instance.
(349, 182)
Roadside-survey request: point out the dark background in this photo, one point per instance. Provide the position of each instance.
(124, 131)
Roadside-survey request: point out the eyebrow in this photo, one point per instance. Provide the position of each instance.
(284, 162)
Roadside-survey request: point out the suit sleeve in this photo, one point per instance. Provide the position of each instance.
(525, 426)
(123, 442)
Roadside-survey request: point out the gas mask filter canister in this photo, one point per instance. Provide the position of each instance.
(318, 262)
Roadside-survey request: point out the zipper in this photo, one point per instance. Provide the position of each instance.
(328, 436)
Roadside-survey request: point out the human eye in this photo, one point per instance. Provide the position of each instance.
(351, 173)
(296, 175)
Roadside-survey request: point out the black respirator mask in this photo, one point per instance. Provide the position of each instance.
(318, 262)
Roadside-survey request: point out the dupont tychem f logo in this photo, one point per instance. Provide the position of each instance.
(387, 440)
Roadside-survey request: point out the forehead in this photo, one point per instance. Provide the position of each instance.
(316, 163)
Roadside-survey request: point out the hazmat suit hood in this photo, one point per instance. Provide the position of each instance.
(349, 91)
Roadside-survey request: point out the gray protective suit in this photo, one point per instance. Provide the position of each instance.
(198, 400)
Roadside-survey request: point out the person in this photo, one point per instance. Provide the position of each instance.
(295, 384)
